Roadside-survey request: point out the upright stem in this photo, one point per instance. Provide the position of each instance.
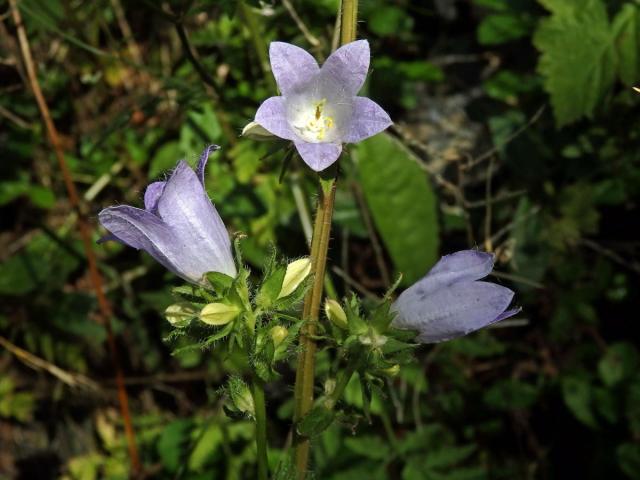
(305, 373)
(348, 21)
(261, 428)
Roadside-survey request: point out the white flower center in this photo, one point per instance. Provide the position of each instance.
(320, 112)
(314, 123)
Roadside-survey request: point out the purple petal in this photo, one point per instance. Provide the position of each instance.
(292, 67)
(202, 161)
(272, 115)
(202, 236)
(507, 314)
(142, 230)
(318, 155)
(451, 312)
(110, 237)
(152, 195)
(465, 265)
(349, 66)
(368, 119)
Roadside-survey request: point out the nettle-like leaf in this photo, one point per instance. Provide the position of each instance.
(316, 421)
(402, 204)
(626, 33)
(577, 56)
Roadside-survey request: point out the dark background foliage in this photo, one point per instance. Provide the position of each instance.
(516, 131)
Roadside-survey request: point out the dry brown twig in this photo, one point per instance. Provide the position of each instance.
(84, 228)
(300, 24)
(74, 380)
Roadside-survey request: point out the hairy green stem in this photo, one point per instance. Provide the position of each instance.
(261, 428)
(305, 373)
(341, 383)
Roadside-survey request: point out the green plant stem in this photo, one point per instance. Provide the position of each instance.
(341, 384)
(305, 373)
(388, 428)
(261, 428)
(348, 21)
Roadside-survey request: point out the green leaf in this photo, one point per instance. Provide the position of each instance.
(219, 281)
(632, 406)
(402, 204)
(629, 459)
(172, 443)
(368, 446)
(448, 456)
(389, 20)
(41, 197)
(511, 394)
(606, 404)
(619, 362)
(45, 262)
(270, 288)
(208, 443)
(165, 159)
(577, 396)
(316, 421)
(626, 33)
(577, 59)
(501, 28)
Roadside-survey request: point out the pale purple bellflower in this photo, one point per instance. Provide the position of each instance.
(319, 110)
(179, 226)
(450, 301)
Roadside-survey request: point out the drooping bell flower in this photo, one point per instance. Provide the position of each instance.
(450, 301)
(319, 110)
(179, 225)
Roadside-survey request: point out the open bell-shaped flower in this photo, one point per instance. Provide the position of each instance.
(450, 301)
(179, 225)
(319, 109)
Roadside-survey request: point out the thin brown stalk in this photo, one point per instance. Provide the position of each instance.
(72, 379)
(85, 230)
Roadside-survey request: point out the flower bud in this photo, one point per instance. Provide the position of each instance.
(218, 313)
(392, 371)
(241, 396)
(179, 314)
(255, 131)
(295, 274)
(336, 314)
(329, 386)
(278, 334)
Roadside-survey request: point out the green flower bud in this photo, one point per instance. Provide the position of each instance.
(180, 314)
(329, 386)
(241, 396)
(336, 314)
(255, 131)
(218, 313)
(392, 371)
(295, 274)
(278, 334)
(372, 338)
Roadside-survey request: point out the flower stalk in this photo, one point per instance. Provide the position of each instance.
(261, 428)
(305, 374)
